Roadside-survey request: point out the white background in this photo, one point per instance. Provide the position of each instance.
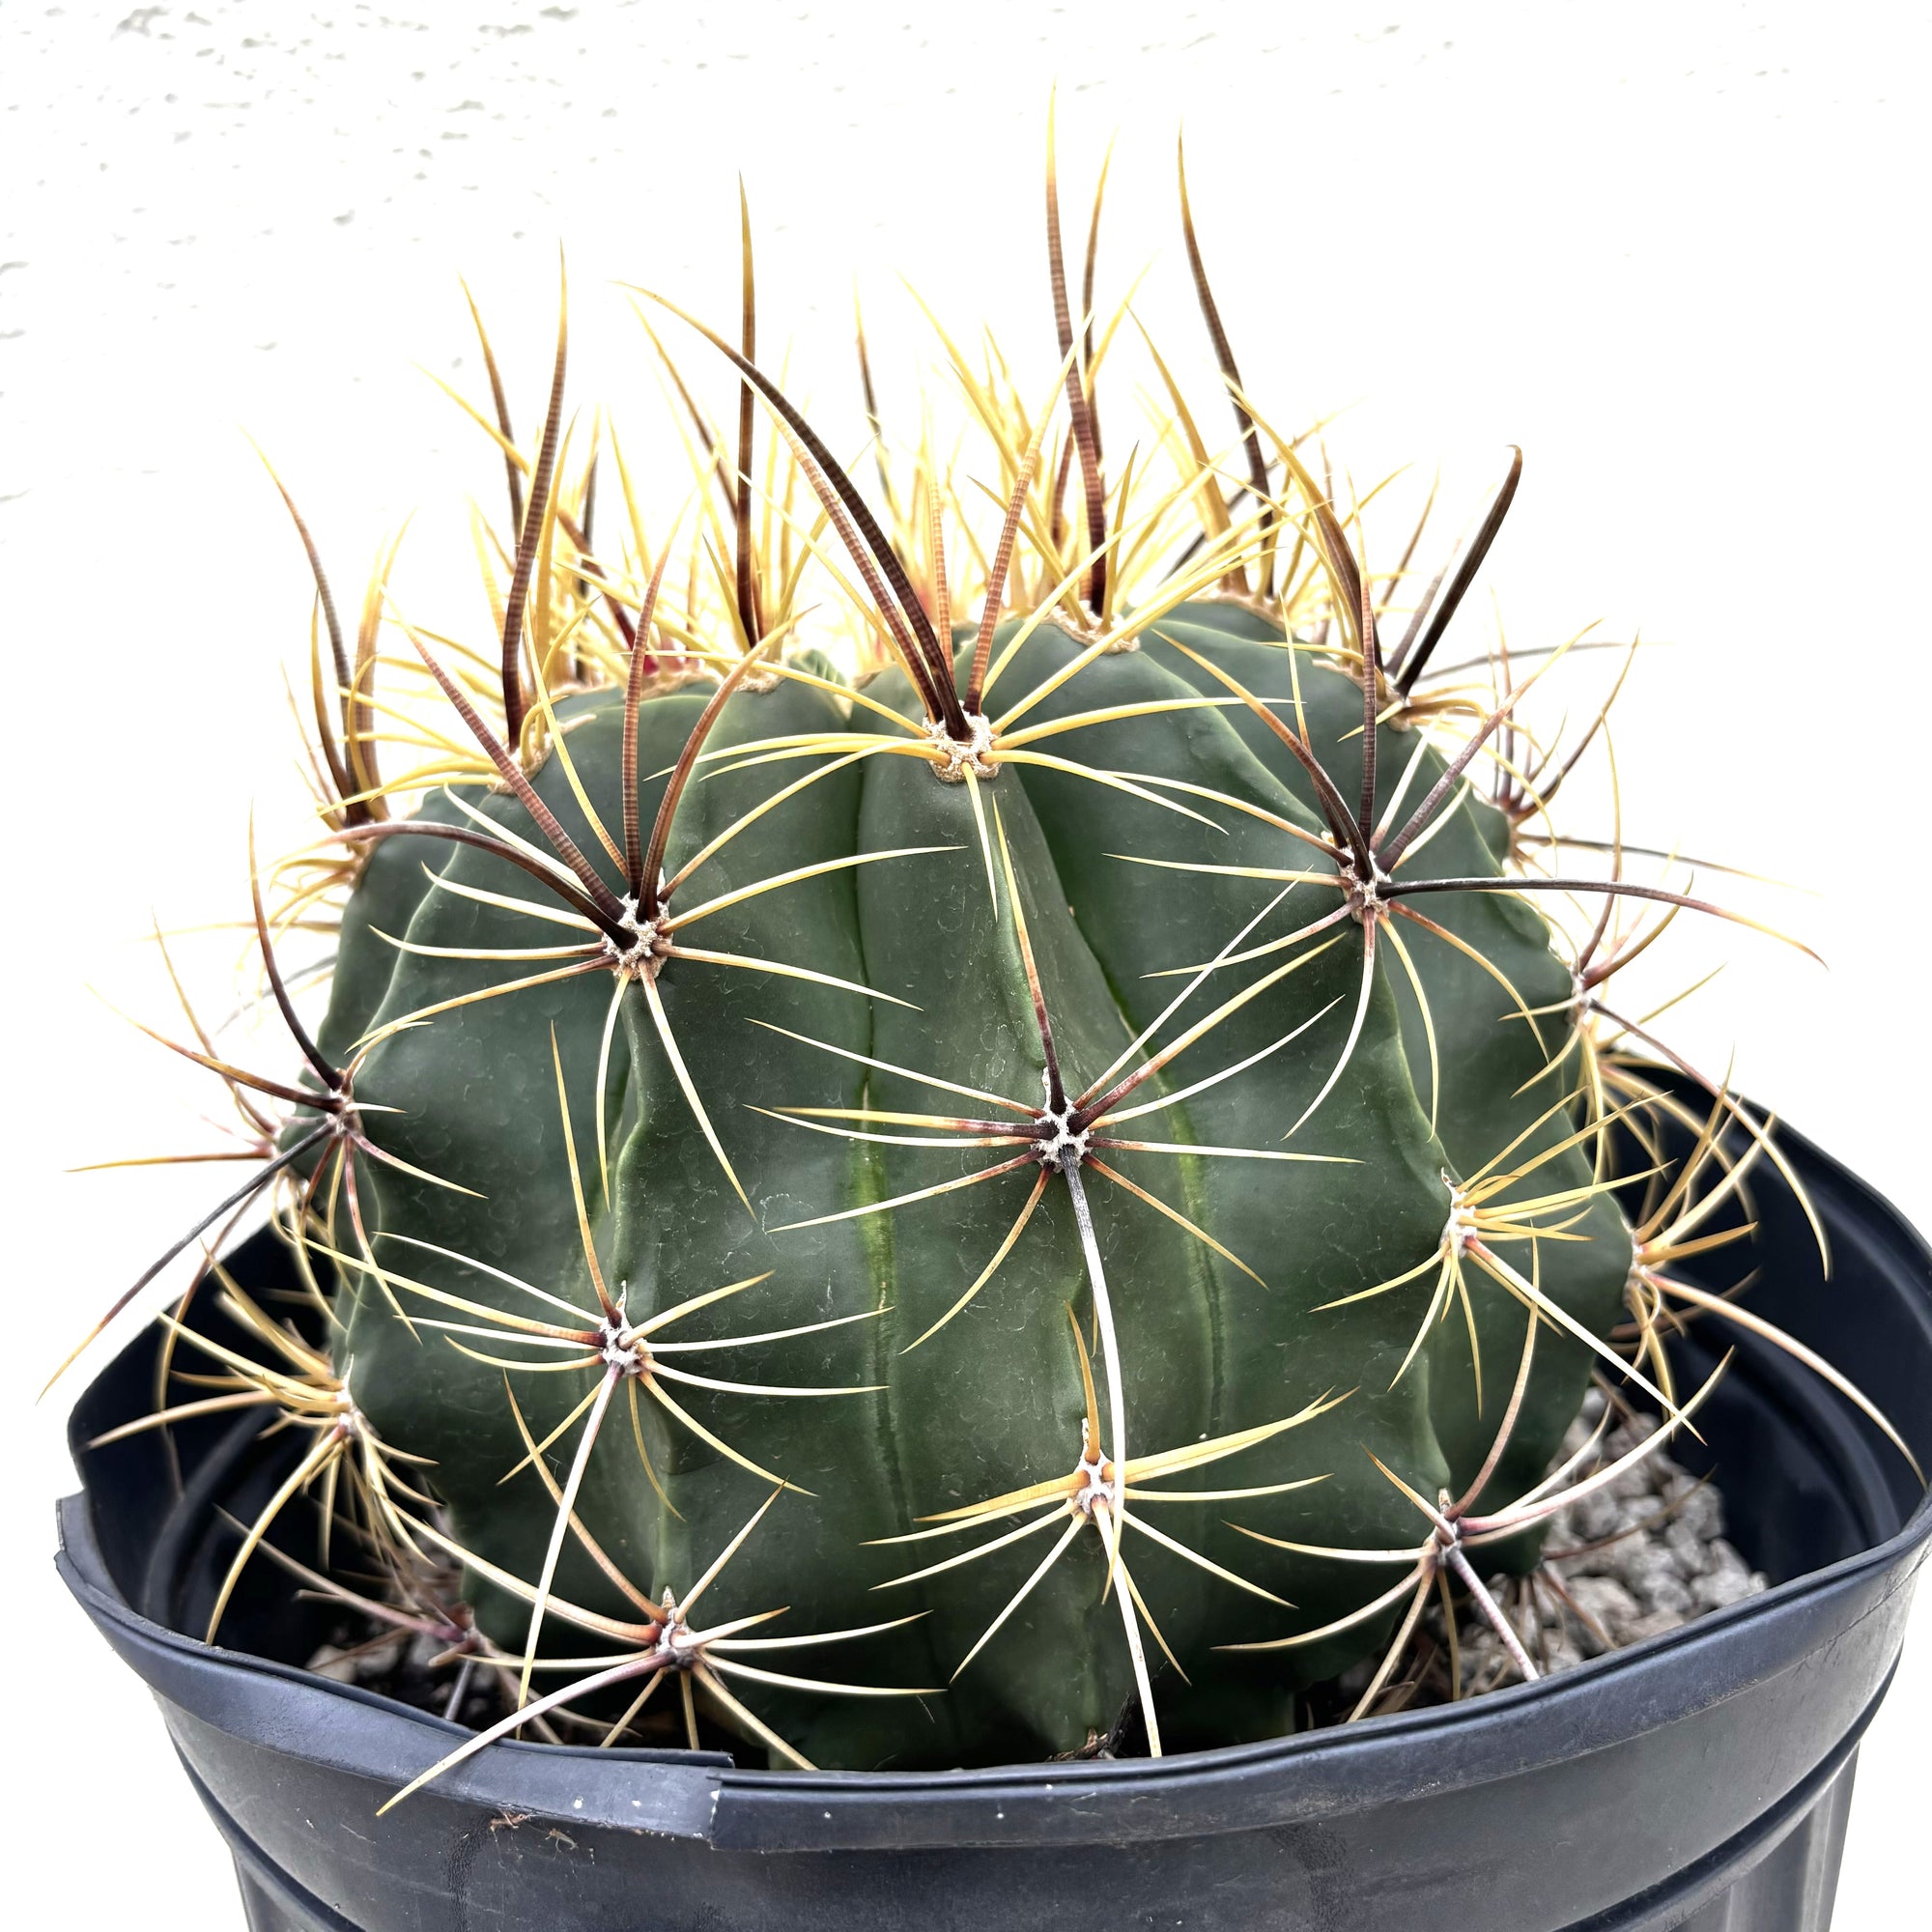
(1675, 251)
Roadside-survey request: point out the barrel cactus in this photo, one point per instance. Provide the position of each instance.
(1063, 1151)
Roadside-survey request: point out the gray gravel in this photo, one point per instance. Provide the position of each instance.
(1650, 1554)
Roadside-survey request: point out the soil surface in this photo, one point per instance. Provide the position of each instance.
(1637, 1557)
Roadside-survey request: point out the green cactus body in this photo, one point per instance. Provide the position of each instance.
(1505, 1052)
(992, 1402)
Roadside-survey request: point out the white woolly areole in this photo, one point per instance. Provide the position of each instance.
(974, 753)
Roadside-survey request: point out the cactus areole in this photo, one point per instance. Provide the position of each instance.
(1054, 1172)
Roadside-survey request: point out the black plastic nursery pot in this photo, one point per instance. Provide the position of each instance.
(1699, 1779)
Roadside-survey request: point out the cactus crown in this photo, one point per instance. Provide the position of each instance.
(1070, 1153)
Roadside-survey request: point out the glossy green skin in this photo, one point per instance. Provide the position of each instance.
(993, 1402)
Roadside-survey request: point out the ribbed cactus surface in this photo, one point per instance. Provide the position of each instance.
(1236, 1204)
